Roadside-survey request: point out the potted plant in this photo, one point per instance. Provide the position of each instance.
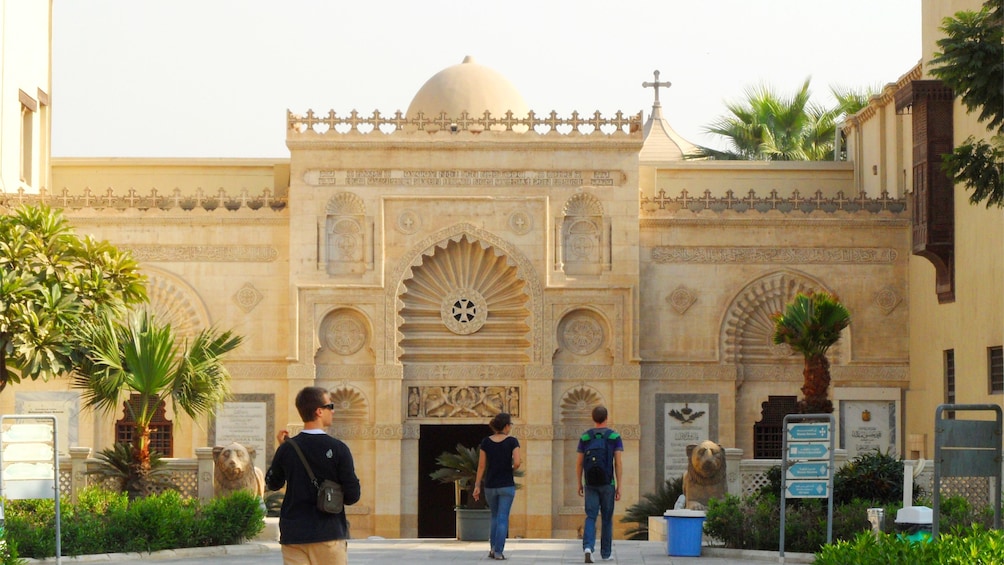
(460, 467)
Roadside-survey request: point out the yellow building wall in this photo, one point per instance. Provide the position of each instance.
(25, 63)
(975, 320)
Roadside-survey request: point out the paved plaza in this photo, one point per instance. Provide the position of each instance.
(398, 551)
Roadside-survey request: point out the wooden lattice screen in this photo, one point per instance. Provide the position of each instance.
(768, 433)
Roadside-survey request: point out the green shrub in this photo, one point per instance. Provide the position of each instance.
(755, 522)
(104, 522)
(976, 547)
(230, 519)
(871, 476)
(652, 504)
(956, 512)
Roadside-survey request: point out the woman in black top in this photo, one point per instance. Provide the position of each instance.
(499, 458)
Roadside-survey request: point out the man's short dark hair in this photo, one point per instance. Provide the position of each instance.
(308, 401)
(600, 414)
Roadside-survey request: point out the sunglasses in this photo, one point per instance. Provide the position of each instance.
(328, 406)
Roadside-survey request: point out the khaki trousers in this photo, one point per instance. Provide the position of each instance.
(334, 552)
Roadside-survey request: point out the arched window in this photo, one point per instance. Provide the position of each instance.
(161, 436)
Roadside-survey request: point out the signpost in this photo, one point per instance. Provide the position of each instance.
(29, 462)
(808, 470)
(807, 460)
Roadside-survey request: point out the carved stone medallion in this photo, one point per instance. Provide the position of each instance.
(464, 311)
(343, 333)
(408, 222)
(583, 335)
(520, 222)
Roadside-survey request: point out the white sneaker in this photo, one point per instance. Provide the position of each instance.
(589, 555)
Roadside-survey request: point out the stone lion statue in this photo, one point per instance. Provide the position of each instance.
(234, 470)
(705, 477)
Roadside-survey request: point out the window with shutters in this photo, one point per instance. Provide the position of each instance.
(949, 357)
(161, 436)
(768, 433)
(995, 368)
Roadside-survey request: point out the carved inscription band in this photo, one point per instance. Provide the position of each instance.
(214, 253)
(759, 255)
(462, 177)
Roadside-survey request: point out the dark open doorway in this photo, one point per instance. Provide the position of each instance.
(436, 518)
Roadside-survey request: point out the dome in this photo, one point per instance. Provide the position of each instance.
(471, 87)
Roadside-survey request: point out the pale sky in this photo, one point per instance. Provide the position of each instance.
(213, 78)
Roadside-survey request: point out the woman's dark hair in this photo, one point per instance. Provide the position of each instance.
(500, 421)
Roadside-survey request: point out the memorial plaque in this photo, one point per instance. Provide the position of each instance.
(246, 424)
(868, 426)
(65, 406)
(683, 423)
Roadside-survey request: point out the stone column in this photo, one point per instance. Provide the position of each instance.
(536, 443)
(395, 504)
(78, 470)
(733, 471)
(205, 470)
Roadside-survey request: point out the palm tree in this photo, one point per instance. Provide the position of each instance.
(143, 356)
(810, 324)
(769, 127)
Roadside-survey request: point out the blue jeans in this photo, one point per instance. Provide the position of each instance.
(500, 501)
(599, 500)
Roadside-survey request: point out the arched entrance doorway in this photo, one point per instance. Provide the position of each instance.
(435, 499)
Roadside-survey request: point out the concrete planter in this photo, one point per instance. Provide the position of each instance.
(473, 524)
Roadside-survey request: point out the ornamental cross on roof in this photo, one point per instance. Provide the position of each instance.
(656, 86)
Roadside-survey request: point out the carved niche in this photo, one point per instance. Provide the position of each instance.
(584, 239)
(345, 243)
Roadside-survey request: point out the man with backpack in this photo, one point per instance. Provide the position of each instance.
(598, 469)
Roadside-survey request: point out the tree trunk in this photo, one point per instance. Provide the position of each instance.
(138, 485)
(816, 386)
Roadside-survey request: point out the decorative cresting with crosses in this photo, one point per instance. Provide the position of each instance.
(464, 311)
(656, 86)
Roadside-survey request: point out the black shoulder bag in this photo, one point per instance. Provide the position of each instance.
(329, 493)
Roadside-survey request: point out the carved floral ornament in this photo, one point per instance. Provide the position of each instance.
(888, 299)
(681, 299)
(247, 297)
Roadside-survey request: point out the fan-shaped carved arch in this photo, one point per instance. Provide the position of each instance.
(747, 330)
(350, 404)
(464, 257)
(176, 302)
(577, 404)
(582, 204)
(464, 303)
(346, 204)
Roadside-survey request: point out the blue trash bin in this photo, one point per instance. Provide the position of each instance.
(684, 529)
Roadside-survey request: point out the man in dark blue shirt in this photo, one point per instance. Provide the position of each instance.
(307, 535)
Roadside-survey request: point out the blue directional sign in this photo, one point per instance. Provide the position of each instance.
(808, 489)
(808, 450)
(810, 432)
(809, 470)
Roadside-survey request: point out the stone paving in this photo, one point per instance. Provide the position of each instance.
(399, 551)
